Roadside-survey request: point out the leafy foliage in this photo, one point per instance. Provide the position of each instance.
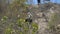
(26, 26)
(13, 23)
(8, 31)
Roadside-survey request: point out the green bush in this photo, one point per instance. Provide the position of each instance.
(26, 26)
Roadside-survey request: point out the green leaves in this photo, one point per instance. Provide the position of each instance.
(8, 31)
(21, 32)
(4, 18)
(20, 22)
(27, 27)
(35, 28)
(18, 7)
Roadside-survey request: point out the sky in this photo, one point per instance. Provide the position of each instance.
(35, 1)
(54, 1)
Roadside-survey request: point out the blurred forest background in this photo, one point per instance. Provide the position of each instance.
(45, 18)
(12, 18)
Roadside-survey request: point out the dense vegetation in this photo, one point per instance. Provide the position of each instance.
(13, 18)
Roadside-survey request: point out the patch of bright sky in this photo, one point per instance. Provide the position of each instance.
(53, 1)
(35, 1)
